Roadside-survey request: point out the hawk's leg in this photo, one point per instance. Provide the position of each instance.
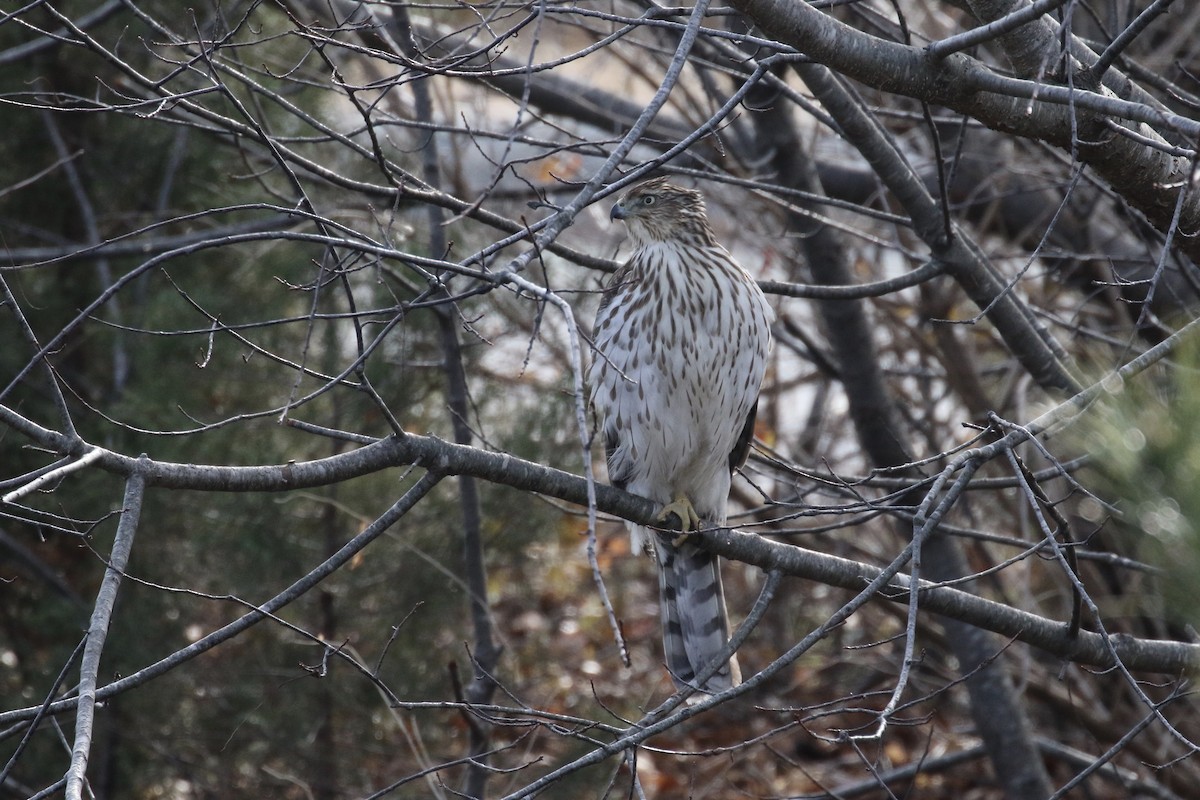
(681, 509)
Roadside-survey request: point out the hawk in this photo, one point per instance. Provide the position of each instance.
(681, 337)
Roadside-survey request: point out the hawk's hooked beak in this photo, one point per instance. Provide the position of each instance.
(618, 211)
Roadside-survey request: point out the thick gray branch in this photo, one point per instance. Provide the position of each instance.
(1167, 657)
(445, 458)
(1068, 117)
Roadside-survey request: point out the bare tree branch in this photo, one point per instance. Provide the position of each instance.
(106, 600)
(1067, 116)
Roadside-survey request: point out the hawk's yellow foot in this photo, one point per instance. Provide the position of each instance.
(680, 508)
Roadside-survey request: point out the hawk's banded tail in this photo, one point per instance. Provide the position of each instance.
(695, 625)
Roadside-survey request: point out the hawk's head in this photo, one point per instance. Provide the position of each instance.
(657, 211)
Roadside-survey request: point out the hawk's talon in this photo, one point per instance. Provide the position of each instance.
(681, 509)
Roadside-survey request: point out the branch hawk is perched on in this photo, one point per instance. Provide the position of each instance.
(681, 337)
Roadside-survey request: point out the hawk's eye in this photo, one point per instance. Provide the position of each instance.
(648, 200)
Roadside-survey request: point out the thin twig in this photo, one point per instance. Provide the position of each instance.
(1126, 37)
(52, 476)
(994, 29)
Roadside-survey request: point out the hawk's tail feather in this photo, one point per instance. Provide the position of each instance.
(695, 624)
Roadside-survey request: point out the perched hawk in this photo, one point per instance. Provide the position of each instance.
(681, 338)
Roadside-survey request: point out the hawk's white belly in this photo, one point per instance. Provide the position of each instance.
(681, 352)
